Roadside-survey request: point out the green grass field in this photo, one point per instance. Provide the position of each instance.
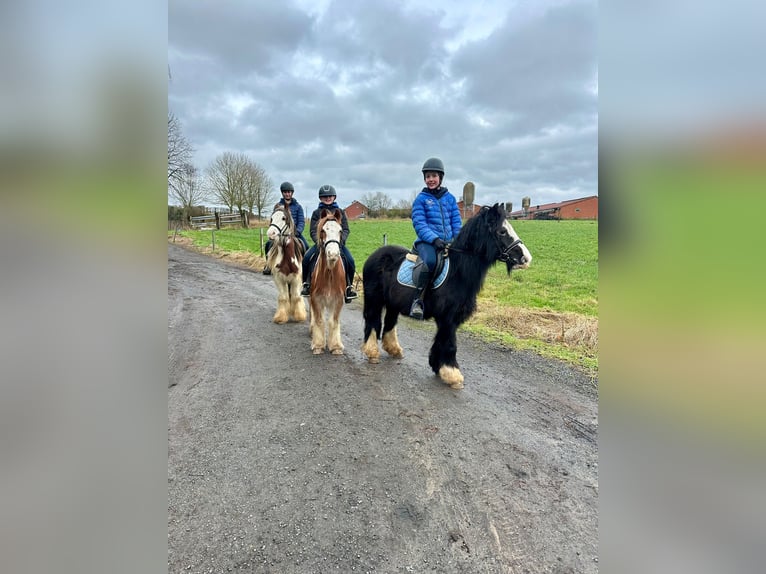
(562, 280)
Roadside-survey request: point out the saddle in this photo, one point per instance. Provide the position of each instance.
(412, 266)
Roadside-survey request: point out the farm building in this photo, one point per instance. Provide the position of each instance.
(356, 210)
(467, 212)
(582, 208)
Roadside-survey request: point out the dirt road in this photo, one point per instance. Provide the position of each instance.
(281, 461)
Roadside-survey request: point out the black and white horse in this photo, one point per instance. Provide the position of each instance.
(486, 238)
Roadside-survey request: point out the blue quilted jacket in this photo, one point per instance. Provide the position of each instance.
(436, 215)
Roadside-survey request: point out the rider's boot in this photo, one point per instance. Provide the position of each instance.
(416, 311)
(350, 292)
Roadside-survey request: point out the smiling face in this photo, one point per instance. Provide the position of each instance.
(327, 199)
(432, 179)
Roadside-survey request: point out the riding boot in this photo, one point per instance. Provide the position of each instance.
(416, 311)
(350, 292)
(306, 291)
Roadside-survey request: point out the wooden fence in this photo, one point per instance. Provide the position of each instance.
(216, 220)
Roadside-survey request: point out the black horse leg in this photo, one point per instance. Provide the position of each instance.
(444, 348)
(372, 320)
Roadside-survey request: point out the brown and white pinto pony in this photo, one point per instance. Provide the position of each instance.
(328, 285)
(285, 258)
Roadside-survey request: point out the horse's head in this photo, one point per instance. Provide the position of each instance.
(280, 224)
(329, 232)
(512, 250)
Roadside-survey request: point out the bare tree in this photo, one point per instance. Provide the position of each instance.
(238, 182)
(259, 193)
(179, 152)
(378, 203)
(188, 191)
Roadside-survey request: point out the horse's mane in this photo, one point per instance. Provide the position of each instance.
(476, 236)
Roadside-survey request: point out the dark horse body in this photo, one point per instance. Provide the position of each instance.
(485, 239)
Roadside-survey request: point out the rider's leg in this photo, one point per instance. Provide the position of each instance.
(267, 269)
(428, 255)
(307, 267)
(350, 267)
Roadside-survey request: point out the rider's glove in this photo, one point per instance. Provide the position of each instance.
(439, 244)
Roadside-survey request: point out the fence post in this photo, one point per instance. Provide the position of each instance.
(212, 231)
(385, 239)
(260, 232)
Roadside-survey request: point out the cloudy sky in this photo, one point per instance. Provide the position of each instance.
(359, 94)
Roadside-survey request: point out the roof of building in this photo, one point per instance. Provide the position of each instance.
(551, 206)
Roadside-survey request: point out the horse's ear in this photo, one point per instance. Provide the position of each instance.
(499, 210)
(338, 215)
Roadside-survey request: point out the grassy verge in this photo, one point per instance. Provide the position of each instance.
(550, 308)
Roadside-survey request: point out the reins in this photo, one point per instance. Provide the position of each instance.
(505, 253)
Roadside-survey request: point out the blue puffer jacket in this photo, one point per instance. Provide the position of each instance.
(436, 214)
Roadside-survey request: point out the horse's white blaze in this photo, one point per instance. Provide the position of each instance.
(332, 233)
(527, 256)
(277, 219)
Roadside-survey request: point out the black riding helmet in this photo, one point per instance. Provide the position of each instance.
(327, 191)
(286, 186)
(434, 164)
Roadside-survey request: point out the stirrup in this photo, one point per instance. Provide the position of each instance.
(267, 270)
(350, 294)
(416, 311)
(306, 291)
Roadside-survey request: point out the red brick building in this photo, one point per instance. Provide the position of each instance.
(582, 208)
(468, 212)
(356, 210)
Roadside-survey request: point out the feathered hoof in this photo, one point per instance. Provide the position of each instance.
(452, 376)
(337, 351)
(317, 351)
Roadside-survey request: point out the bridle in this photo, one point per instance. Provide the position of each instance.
(283, 232)
(505, 252)
(323, 243)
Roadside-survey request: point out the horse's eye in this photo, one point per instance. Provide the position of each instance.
(503, 231)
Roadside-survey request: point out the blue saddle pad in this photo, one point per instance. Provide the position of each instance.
(404, 275)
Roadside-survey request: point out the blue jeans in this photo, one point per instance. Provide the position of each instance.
(427, 253)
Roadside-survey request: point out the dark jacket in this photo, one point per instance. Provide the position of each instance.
(436, 214)
(315, 221)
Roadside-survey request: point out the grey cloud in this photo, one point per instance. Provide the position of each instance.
(539, 71)
(375, 92)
